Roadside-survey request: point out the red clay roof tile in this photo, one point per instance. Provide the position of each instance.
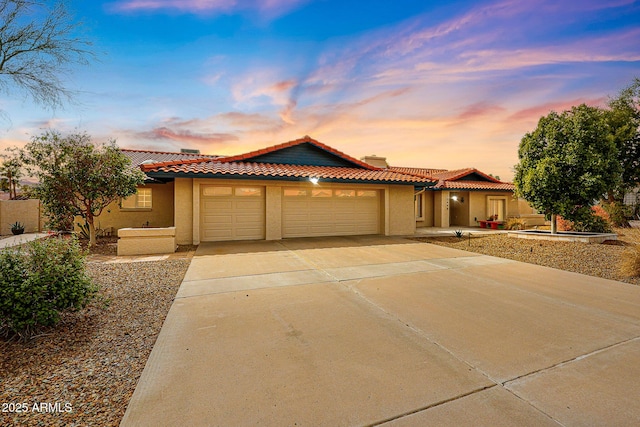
(216, 167)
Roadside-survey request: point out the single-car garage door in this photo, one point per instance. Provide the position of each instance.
(231, 213)
(330, 212)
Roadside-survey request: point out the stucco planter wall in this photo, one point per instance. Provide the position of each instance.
(146, 241)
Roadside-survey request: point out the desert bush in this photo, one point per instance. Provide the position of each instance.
(585, 219)
(40, 282)
(564, 224)
(618, 213)
(516, 224)
(630, 258)
(630, 261)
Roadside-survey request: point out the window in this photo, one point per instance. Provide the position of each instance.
(140, 200)
(217, 191)
(294, 192)
(345, 193)
(248, 191)
(366, 193)
(419, 205)
(320, 193)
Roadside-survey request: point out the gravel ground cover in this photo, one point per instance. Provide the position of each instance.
(85, 371)
(600, 260)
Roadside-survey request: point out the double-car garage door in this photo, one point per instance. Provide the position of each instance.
(238, 212)
(329, 212)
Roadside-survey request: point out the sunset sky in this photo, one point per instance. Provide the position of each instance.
(425, 83)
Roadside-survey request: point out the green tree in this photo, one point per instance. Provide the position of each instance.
(567, 163)
(37, 45)
(11, 170)
(623, 118)
(79, 178)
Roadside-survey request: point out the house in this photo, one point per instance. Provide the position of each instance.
(301, 188)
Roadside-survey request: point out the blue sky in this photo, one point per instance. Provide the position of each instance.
(428, 84)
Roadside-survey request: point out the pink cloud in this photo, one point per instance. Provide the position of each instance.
(187, 136)
(478, 110)
(537, 111)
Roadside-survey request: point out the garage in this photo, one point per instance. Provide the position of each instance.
(232, 213)
(330, 212)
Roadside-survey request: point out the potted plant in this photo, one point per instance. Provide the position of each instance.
(17, 228)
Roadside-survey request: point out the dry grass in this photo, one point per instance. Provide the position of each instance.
(630, 258)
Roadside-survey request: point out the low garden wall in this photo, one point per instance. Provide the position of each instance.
(146, 241)
(26, 212)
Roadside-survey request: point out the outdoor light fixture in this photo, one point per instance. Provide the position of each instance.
(314, 180)
(454, 198)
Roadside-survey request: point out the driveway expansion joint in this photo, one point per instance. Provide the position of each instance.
(433, 405)
(505, 384)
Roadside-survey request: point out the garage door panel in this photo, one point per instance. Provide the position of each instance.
(217, 205)
(342, 211)
(232, 213)
(248, 204)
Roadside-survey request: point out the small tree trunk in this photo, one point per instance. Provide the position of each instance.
(92, 230)
(554, 225)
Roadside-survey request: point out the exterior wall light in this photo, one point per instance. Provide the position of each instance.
(454, 198)
(314, 180)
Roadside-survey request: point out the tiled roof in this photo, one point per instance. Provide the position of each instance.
(454, 175)
(219, 168)
(416, 171)
(474, 185)
(139, 156)
(241, 165)
(450, 179)
(306, 139)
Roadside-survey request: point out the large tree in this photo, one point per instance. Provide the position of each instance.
(567, 163)
(623, 118)
(79, 178)
(38, 43)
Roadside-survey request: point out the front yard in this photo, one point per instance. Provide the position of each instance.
(90, 364)
(87, 368)
(600, 260)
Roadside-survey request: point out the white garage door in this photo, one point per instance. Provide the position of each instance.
(231, 213)
(330, 212)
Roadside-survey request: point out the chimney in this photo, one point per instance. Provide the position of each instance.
(373, 160)
(189, 151)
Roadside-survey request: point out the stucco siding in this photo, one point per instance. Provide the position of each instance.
(159, 215)
(428, 218)
(396, 213)
(183, 206)
(401, 213)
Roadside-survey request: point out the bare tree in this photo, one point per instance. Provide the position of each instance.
(38, 44)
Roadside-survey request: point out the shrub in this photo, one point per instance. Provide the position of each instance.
(630, 259)
(39, 283)
(563, 224)
(617, 213)
(516, 224)
(594, 219)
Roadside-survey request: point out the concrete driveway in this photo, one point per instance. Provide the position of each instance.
(386, 331)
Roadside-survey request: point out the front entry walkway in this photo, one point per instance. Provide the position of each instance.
(10, 241)
(387, 331)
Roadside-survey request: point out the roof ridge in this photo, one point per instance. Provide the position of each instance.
(135, 150)
(149, 166)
